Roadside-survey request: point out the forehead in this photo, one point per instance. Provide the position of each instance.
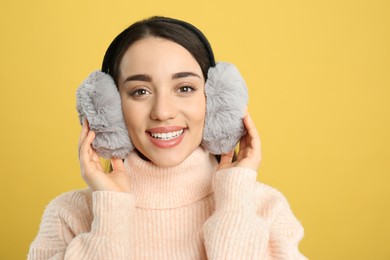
(153, 53)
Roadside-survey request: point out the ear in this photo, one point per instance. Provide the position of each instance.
(226, 101)
(98, 100)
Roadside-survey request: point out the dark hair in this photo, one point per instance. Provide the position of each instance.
(178, 31)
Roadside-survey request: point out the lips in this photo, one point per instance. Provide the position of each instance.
(166, 137)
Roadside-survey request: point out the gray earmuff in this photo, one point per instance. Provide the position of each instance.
(226, 101)
(226, 98)
(98, 100)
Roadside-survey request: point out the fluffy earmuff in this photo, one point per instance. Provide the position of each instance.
(226, 98)
(98, 100)
(226, 101)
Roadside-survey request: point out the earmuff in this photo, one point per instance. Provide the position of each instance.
(226, 98)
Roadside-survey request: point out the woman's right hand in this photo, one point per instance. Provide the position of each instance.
(92, 170)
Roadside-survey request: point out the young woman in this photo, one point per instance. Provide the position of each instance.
(170, 198)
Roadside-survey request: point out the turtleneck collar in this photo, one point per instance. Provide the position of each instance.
(170, 187)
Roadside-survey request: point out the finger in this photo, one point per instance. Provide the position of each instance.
(250, 125)
(254, 138)
(117, 164)
(89, 159)
(242, 146)
(84, 131)
(85, 147)
(245, 141)
(227, 158)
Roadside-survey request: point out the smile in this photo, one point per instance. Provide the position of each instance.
(168, 135)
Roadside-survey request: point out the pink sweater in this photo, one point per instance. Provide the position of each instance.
(186, 212)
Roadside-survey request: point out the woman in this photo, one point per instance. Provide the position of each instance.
(171, 198)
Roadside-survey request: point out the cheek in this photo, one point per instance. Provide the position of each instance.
(130, 116)
(198, 112)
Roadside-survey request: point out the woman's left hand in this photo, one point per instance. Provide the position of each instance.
(249, 155)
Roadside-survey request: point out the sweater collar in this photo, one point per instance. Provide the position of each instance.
(171, 187)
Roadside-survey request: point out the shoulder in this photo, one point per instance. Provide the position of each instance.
(70, 206)
(72, 199)
(273, 206)
(269, 197)
(64, 217)
(271, 203)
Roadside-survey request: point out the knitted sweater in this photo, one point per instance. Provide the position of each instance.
(189, 211)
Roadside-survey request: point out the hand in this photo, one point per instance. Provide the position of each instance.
(92, 170)
(249, 155)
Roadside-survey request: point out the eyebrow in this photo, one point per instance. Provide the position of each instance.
(148, 78)
(138, 77)
(185, 74)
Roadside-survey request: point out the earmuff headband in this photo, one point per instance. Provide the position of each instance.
(226, 98)
(194, 30)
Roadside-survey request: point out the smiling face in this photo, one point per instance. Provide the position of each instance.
(163, 102)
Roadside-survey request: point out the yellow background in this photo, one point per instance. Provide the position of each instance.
(319, 80)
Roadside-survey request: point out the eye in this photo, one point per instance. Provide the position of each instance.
(186, 89)
(139, 92)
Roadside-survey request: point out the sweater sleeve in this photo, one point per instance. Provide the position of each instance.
(242, 227)
(67, 233)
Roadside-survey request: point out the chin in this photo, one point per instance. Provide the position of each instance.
(168, 157)
(167, 162)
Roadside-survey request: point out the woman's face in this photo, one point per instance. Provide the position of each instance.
(163, 102)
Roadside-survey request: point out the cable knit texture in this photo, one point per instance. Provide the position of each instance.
(185, 212)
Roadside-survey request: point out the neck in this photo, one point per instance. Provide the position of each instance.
(169, 187)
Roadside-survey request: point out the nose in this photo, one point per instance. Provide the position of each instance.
(163, 108)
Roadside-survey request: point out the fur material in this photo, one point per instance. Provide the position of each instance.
(227, 97)
(98, 100)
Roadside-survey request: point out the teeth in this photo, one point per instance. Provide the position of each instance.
(167, 136)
